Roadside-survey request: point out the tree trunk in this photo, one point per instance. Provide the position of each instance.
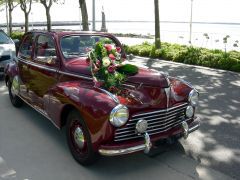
(157, 25)
(84, 12)
(10, 21)
(26, 22)
(49, 23)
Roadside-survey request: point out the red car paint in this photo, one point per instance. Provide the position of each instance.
(54, 89)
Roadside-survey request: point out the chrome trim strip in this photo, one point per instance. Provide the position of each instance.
(110, 95)
(167, 91)
(39, 111)
(75, 75)
(194, 128)
(163, 110)
(38, 65)
(162, 114)
(54, 70)
(150, 124)
(107, 152)
(144, 147)
(128, 85)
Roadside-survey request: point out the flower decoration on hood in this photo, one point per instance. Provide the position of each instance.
(107, 68)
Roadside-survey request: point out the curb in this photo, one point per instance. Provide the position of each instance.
(189, 65)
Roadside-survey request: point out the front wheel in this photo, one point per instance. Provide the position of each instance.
(79, 140)
(13, 91)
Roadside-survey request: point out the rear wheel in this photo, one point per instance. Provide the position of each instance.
(79, 140)
(13, 91)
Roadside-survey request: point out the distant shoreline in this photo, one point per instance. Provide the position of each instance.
(73, 23)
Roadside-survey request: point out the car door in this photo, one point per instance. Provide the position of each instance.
(24, 58)
(43, 71)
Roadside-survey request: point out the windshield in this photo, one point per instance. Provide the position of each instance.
(3, 38)
(79, 45)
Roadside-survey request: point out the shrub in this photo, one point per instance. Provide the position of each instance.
(189, 55)
(17, 35)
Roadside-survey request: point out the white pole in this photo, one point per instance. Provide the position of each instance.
(32, 19)
(190, 35)
(7, 17)
(93, 16)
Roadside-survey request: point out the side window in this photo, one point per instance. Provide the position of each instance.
(25, 50)
(45, 48)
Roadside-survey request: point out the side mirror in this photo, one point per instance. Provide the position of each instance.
(130, 57)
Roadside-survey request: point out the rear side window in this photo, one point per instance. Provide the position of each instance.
(4, 39)
(26, 48)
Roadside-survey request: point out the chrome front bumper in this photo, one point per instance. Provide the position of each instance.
(147, 145)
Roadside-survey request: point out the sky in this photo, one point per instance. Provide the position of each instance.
(134, 10)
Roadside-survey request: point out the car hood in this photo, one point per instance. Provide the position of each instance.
(146, 88)
(7, 49)
(144, 76)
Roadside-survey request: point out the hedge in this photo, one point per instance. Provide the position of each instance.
(189, 55)
(17, 35)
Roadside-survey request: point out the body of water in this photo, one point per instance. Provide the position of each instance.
(203, 34)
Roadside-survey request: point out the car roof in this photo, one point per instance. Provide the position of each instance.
(63, 32)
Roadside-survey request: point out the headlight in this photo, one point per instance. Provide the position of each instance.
(193, 97)
(119, 115)
(189, 112)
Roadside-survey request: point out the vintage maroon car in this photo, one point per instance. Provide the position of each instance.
(51, 75)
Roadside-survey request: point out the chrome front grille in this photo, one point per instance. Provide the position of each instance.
(158, 121)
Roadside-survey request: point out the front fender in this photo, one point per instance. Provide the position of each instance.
(180, 90)
(93, 105)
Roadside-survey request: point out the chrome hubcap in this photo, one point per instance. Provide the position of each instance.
(79, 137)
(15, 87)
(13, 90)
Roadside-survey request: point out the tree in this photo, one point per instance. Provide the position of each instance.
(84, 12)
(11, 6)
(47, 4)
(157, 25)
(26, 9)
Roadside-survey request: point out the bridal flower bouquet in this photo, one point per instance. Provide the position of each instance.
(107, 67)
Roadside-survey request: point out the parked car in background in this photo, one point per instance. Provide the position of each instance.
(51, 74)
(7, 51)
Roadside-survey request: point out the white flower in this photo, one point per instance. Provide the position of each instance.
(106, 61)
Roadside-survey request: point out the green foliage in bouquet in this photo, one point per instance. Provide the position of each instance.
(128, 69)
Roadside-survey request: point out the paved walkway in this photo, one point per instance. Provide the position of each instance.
(217, 143)
(32, 148)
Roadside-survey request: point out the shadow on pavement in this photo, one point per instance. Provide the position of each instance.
(217, 142)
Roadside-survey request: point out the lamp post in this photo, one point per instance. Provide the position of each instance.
(32, 19)
(80, 18)
(93, 16)
(190, 33)
(7, 17)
